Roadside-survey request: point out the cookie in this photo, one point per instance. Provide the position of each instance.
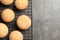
(24, 22)
(3, 30)
(7, 2)
(8, 15)
(21, 4)
(16, 35)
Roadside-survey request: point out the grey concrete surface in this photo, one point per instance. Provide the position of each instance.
(46, 19)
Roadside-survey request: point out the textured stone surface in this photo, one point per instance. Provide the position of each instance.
(46, 19)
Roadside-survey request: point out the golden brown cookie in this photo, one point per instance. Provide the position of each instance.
(16, 35)
(21, 4)
(23, 22)
(7, 2)
(8, 15)
(3, 30)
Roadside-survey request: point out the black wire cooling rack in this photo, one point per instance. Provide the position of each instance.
(12, 25)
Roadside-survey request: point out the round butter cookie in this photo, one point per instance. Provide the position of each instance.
(6, 2)
(21, 4)
(8, 15)
(16, 35)
(3, 30)
(24, 22)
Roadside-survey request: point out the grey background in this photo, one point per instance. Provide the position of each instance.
(46, 19)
